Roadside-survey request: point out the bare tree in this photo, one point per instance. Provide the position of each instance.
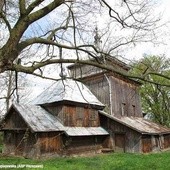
(7, 87)
(2, 5)
(31, 25)
(12, 87)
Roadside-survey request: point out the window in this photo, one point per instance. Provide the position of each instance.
(80, 112)
(92, 115)
(123, 107)
(133, 110)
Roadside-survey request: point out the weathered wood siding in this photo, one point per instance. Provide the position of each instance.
(120, 142)
(80, 117)
(117, 92)
(83, 144)
(14, 121)
(19, 143)
(125, 98)
(100, 88)
(146, 144)
(79, 70)
(32, 145)
(166, 141)
(49, 142)
(75, 116)
(123, 138)
(83, 70)
(56, 110)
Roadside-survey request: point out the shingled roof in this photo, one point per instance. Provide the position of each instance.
(37, 118)
(67, 90)
(139, 124)
(40, 120)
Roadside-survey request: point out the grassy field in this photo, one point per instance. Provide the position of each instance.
(115, 161)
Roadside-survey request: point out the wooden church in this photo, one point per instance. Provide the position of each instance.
(99, 112)
(68, 118)
(122, 116)
(62, 121)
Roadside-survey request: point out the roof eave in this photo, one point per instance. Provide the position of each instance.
(62, 102)
(131, 127)
(32, 130)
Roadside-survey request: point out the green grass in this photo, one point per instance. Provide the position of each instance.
(115, 161)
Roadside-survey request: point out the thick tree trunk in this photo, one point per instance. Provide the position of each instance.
(9, 52)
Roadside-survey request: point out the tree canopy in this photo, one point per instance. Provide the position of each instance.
(38, 30)
(155, 98)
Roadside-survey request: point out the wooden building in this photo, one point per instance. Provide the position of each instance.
(122, 117)
(63, 120)
(134, 134)
(68, 118)
(119, 94)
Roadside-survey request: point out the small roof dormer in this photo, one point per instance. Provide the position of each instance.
(68, 90)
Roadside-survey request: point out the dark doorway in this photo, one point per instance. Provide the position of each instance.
(119, 142)
(146, 144)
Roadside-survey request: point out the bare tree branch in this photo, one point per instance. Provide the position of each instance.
(42, 12)
(68, 31)
(22, 7)
(5, 20)
(31, 69)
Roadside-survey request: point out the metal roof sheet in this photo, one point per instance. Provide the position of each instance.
(67, 90)
(85, 131)
(140, 124)
(38, 119)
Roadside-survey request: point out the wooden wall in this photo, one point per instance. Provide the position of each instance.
(123, 138)
(32, 145)
(124, 97)
(83, 144)
(14, 121)
(19, 143)
(83, 70)
(79, 70)
(100, 88)
(155, 142)
(49, 142)
(166, 141)
(56, 110)
(75, 116)
(146, 143)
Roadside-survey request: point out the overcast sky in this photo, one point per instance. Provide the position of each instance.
(149, 48)
(138, 51)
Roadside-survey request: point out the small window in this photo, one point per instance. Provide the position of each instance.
(80, 112)
(92, 115)
(100, 84)
(133, 110)
(123, 109)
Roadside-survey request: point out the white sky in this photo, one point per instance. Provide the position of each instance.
(143, 48)
(135, 53)
(149, 48)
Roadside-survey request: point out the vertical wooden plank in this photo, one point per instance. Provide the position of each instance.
(69, 112)
(119, 142)
(113, 95)
(79, 116)
(146, 144)
(86, 117)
